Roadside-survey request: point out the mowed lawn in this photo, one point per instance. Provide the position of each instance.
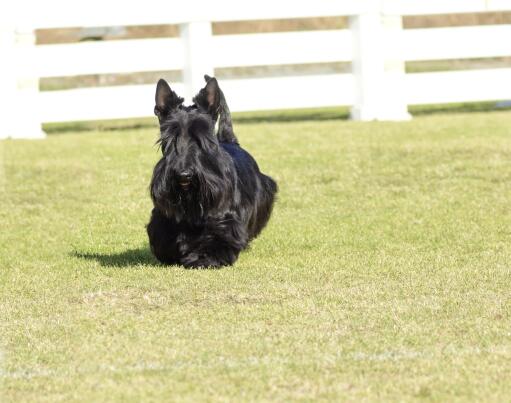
(384, 274)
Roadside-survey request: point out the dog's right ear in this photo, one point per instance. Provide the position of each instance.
(208, 98)
(165, 99)
(225, 131)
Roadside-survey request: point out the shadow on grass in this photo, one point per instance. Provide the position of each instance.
(442, 109)
(100, 125)
(128, 258)
(293, 115)
(280, 116)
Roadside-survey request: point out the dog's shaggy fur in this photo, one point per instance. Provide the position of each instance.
(210, 199)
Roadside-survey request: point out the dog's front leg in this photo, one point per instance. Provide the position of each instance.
(162, 238)
(219, 244)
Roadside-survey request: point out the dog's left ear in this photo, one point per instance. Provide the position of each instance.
(165, 99)
(208, 97)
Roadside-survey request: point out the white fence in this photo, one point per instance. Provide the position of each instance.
(375, 44)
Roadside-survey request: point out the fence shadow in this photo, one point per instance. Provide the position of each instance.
(101, 125)
(281, 116)
(127, 258)
(292, 115)
(442, 109)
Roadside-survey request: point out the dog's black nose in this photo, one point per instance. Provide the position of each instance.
(184, 176)
(184, 179)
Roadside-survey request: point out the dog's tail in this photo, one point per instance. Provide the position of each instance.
(225, 131)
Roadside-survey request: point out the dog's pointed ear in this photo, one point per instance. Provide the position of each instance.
(165, 99)
(208, 97)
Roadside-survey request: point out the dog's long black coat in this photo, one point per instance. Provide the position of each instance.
(210, 198)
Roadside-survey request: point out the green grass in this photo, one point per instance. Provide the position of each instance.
(384, 274)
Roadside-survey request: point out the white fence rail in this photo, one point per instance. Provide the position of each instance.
(375, 44)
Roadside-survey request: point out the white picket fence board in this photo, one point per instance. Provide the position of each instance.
(123, 56)
(289, 92)
(244, 95)
(458, 86)
(65, 13)
(95, 13)
(498, 5)
(425, 7)
(282, 48)
(452, 43)
(98, 103)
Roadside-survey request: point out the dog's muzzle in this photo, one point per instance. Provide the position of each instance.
(184, 179)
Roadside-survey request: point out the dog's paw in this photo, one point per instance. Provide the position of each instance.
(194, 261)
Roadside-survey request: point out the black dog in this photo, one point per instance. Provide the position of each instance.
(210, 199)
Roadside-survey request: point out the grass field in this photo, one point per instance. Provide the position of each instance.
(384, 274)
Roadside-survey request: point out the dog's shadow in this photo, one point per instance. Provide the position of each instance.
(125, 259)
(129, 259)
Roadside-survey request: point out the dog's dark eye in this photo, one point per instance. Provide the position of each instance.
(173, 128)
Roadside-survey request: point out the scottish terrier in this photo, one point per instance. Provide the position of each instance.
(210, 199)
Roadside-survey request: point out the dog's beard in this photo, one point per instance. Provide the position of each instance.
(206, 193)
(179, 203)
(187, 203)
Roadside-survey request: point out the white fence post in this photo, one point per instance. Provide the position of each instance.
(198, 59)
(367, 64)
(393, 106)
(29, 123)
(379, 93)
(7, 81)
(19, 85)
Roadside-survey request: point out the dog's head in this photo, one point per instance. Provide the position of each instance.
(193, 173)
